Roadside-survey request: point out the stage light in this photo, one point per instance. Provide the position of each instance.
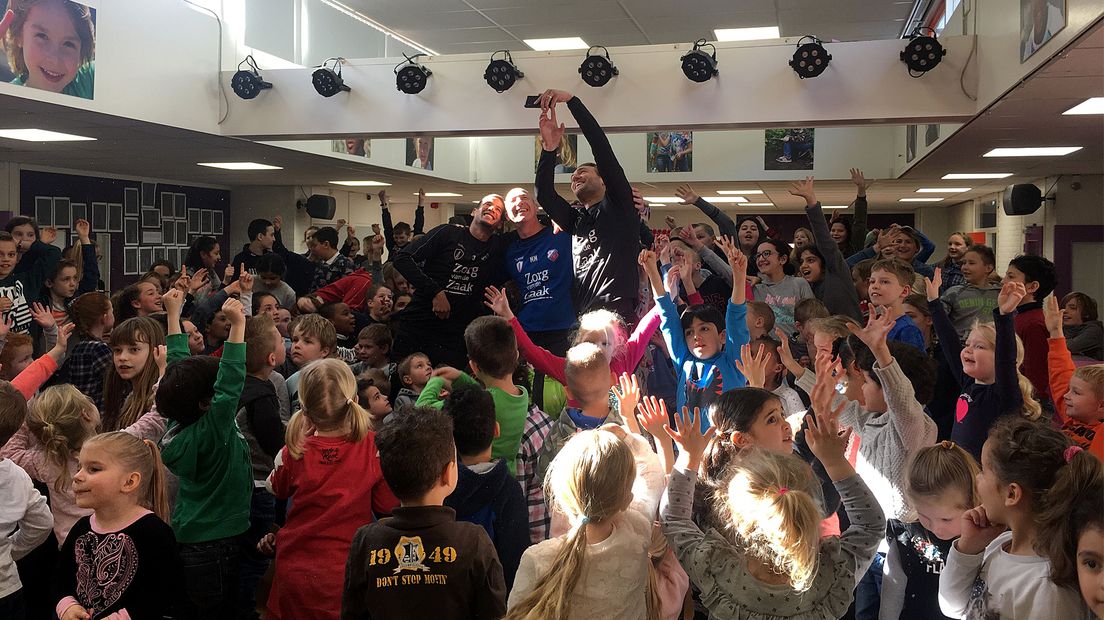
(810, 59)
(502, 73)
(411, 78)
(328, 81)
(699, 66)
(597, 70)
(922, 53)
(247, 83)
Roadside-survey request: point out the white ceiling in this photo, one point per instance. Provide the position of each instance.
(466, 26)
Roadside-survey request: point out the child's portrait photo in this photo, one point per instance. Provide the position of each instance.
(49, 45)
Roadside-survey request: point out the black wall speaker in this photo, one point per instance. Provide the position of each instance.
(320, 207)
(1022, 199)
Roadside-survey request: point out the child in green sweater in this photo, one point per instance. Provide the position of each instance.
(205, 450)
(492, 356)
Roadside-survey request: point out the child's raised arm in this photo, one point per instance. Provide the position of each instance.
(653, 417)
(1009, 298)
(235, 313)
(627, 391)
(1060, 366)
(739, 263)
(647, 260)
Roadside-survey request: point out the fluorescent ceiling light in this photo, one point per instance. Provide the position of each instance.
(1094, 105)
(656, 204)
(240, 165)
(975, 175)
(943, 190)
(834, 206)
(562, 43)
(1033, 151)
(361, 183)
(666, 199)
(440, 194)
(757, 204)
(746, 34)
(724, 199)
(40, 135)
(920, 200)
(741, 192)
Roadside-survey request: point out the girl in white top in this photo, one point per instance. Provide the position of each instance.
(607, 483)
(995, 568)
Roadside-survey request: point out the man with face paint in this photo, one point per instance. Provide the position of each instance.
(539, 262)
(449, 268)
(605, 239)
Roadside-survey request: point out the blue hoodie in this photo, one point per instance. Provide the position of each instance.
(701, 381)
(487, 495)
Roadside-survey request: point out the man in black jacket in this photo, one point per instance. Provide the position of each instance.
(457, 264)
(605, 233)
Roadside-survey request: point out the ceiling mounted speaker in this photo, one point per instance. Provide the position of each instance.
(320, 207)
(1022, 199)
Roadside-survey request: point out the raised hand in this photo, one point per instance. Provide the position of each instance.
(277, 223)
(674, 276)
(686, 194)
(245, 280)
(859, 180)
(646, 259)
(5, 327)
(1052, 316)
(687, 235)
(786, 356)
(552, 96)
(5, 304)
(551, 130)
(199, 280)
(161, 359)
(691, 441)
(234, 312)
(804, 189)
(878, 326)
(47, 235)
(828, 443)
(887, 237)
(977, 531)
(1010, 296)
(448, 373)
(84, 230)
(74, 611)
(753, 365)
(824, 390)
(653, 416)
(182, 281)
(933, 284)
(421, 196)
(638, 202)
(227, 274)
(497, 301)
(43, 315)
(61, 347)
(670, 221)
(627, 391)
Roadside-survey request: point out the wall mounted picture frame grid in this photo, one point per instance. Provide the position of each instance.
(131, 198)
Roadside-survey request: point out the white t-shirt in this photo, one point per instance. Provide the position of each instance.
(25, 521)
(997, 584)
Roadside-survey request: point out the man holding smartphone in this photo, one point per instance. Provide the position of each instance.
(605, 237)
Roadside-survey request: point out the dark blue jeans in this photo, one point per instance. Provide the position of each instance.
(262, 516)
(211, 574)
(868, 594)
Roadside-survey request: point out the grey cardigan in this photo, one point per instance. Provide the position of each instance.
(836, 288)
(720, 572)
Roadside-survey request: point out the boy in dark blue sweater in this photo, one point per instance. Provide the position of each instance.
(486, 494)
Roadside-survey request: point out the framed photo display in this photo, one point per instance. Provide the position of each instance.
(130, 231)
(130, 261)
(99, 216)
(114, 217)
(151, 218)
(131, 197)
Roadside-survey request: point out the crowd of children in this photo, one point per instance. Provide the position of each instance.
(762, 439)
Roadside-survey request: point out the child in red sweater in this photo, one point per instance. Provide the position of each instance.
(1037, 275)
(1078, 392)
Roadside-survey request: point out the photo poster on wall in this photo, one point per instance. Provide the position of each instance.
(131, 198)
(44, 210)
(130, 231)
(1040, 20)
(99, 217)
(193, 221)
(180, 206)
(78, 211)
(419, 152)
(788, 149)
(151, 218)
(20, 63)
(181, 232)
(149, 195)
(130, 260)
(566, 156)
(145, 258)
(168, 204)
(62, 214)
(670, 151)
(168, 231)
(114, 217)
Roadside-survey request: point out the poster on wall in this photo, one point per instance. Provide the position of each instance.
(77, 211)
(788, 149)
(670, 151)
(419, 152)
(115, 217)
(910, 143)
(99, 216)
(49, 46)
(61, 212)
(566, 155)
(931, 134)
(131, 198)
(1039, 21)
(44, 210)
(360, 147)
(130, 261)
(130, 231)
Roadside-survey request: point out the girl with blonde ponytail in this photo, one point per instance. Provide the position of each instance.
(330, 470)
(60, 421)
(606, 483)
(776, 565)
(120, 561)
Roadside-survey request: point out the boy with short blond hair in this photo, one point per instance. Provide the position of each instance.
(890, 283)
(312, 338)
(413, 373)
